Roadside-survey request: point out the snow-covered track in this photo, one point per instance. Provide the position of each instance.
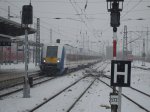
(54, 96)
(127, 97)
(71, 107)
(16, 80)
(132, 88)
(19, 87)
(141, 68)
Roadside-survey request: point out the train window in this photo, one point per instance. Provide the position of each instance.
(52, 51)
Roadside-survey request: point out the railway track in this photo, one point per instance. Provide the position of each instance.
(19, 87)
(15, 85)
(134, 91)
(141, 68)
(52, 97)
(108, 77)
(127, 96)
(72, 105)
(61, 92)
(15, 80)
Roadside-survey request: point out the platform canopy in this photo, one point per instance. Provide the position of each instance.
(11, 28)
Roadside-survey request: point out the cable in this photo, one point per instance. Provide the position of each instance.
(54, 1)
(34, 17)
(81, 16)
(132, 8)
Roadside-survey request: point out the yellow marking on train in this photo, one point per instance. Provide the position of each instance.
(51, 60)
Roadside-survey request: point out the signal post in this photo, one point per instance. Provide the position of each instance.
(27, 18)
(114, 8)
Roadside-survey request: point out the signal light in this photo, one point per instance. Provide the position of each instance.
(27, 14)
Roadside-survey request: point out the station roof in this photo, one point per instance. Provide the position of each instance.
(11, 28)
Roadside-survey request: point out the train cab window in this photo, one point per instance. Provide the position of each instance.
(52, 51)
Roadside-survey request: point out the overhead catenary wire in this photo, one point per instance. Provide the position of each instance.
(64, 2)
(77, 2)
(130, 10)
(34, 17)
(81, 16)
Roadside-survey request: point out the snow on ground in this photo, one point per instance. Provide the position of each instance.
(140, 64)
(96, 98)
(38, 94)
(67, 98)
(140, 79)
(19, 67)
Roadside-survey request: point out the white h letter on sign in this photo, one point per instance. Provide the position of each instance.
(121, 73)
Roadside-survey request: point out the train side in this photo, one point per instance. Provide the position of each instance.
(57, 59)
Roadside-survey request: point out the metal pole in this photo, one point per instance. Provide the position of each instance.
(26, 89)
(2, 55)
(143, 54)
(23, 54)
(33, 53)
(114, 45)
(125, 49)
(120, 88)
(147, 43)
(51, 36)
(114, 107)
(9, 54)
(17, 52)
(8, 12)
(119, 99)
(38, 42)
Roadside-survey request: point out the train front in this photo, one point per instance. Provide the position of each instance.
(51, 60)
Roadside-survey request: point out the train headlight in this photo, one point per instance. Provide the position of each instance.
(44, 60)
(58, 61)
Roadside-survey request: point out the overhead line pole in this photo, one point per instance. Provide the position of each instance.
(51, 36)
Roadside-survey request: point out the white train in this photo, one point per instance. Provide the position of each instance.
(58, 58)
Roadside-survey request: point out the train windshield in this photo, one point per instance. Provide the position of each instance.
(52, 51)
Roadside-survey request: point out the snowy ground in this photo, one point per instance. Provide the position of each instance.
(96, 98)
(11, 71)
(19, 67)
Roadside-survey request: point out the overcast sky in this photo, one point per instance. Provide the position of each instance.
(79, 23)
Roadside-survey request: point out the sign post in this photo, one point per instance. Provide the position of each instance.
(120, 76)
(26, 90)
(114, 8)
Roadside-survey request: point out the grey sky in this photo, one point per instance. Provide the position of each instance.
(71, 28)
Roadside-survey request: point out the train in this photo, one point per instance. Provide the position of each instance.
(62, 58)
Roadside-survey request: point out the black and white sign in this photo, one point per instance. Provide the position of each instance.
(113, 98)
(120, 73)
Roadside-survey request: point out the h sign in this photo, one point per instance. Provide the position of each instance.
(120, 73)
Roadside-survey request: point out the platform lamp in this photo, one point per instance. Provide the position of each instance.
(115, 7)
